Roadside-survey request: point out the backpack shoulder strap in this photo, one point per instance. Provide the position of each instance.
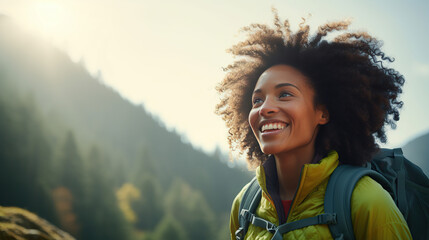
(248, 205)
(339, 193)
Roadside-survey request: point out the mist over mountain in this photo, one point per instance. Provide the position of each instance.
(104, 136)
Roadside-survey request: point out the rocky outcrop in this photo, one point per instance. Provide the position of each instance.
(20, 224)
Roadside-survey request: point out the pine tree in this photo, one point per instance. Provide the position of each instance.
(25, 157)
(73, 178)
(189, 207)
(170, 228)
(148, 207)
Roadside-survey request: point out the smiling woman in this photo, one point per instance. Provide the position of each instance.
(283, 116)
(300, 106)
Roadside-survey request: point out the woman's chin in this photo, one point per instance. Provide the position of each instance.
(270, 149)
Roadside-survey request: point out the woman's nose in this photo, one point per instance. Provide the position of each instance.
(268, 108)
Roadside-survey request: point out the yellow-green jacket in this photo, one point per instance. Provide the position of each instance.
(374, 214)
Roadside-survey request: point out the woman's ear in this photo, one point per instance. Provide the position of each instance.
(324, 117)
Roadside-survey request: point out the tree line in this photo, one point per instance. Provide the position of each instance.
(83, 192)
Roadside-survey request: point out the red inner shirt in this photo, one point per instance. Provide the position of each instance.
(286, 206)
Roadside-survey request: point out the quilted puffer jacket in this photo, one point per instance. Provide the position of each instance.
(374, 213)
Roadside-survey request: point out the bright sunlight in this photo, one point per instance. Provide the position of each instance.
(47, 17)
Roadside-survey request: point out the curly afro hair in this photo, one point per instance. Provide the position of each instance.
(346, 73)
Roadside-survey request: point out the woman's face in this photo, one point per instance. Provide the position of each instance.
(284, 117)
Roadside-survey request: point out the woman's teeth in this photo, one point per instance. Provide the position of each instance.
(273, 126)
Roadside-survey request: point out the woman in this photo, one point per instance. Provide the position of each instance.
(299, 105)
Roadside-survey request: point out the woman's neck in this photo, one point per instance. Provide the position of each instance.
(289, 167)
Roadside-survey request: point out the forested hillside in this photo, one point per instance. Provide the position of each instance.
(78, 154)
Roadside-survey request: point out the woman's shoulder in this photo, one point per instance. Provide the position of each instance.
(369, 192)
(375, 214)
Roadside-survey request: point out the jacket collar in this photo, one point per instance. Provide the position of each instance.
(311, 176)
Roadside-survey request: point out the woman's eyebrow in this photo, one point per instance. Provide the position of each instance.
(279, 86)
(285, 85)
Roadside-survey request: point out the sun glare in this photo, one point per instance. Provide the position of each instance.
(48, 17)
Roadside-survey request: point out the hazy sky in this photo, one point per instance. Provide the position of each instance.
(169, 54)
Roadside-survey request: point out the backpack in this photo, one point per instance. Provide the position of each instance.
(406, 183)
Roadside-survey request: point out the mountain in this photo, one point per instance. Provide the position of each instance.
(82, 115)
(417, 151)
(66, 90)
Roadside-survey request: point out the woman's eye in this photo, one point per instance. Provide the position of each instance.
(257, 101)
(284, 94)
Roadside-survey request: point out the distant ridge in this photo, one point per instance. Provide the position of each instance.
(417, 151)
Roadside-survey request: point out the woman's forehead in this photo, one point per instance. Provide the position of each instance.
(281, 74)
